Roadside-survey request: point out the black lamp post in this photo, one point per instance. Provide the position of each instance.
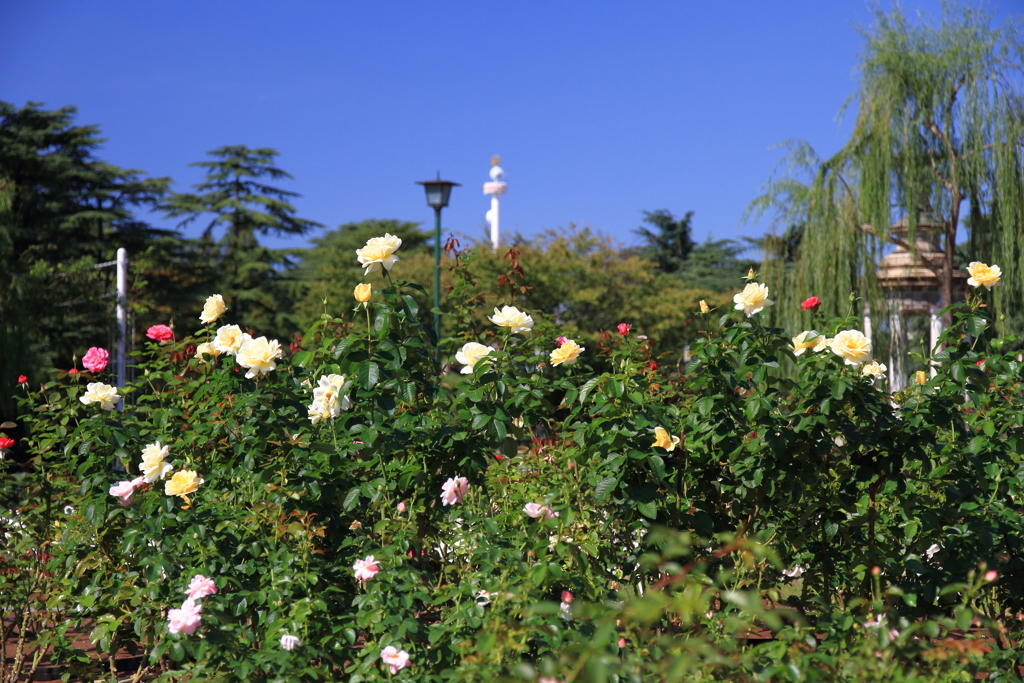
(438, 192)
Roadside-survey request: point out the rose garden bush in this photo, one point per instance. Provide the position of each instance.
(627, 524)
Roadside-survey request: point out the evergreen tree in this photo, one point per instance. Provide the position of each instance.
(669, 243)
(254, 280)
(715, 266)
(61, 212)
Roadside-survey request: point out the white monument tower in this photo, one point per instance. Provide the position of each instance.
(495, 189)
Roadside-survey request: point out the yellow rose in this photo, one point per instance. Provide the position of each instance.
(983, 275)
(921, 377)
(663, 440)
(852, 346)
(258, 356)
(182, 483)
(470, 354)
(510, 316)
(567, 353)
(229, 338)
(213, 309)
(805, 340)
(704, 306)
(379, 251)
(752, 299)
(327, 399)
(98, 392)
(154, 465)
(874, 368)
(208, 348)
(363, 292)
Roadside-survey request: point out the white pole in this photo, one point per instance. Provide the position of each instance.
(935, 328)
(122, 316)
(493, 215)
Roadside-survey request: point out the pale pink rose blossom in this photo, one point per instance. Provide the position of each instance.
(622, 642)
(200, 587)
(991, 575)
(454, 490)
(561, 340)
(536, 510)
(366, 569)
(124, 491)
(396, 659)
(566, 597)
(185, 620)
(289, 642)
(95, 359)
(160, 333)
(401, 507)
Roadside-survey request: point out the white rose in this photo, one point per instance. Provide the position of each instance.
(806, 340)
(874, 368)
(229, 339)
(379, 251)
(327, 399)
(470, 355)
(510, 316)
(98, 392)
(213, 309)
(752, 299)
(154, 465)
(258, 356)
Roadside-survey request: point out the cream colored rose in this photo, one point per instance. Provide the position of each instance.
(752, 299)
(182, 483)
(154, 462)
(207, 348)
(510, 316)
(567, 353)
(874, 368)
(823, 343)
(379, 251)
(982, 275)
(852, 346)
(213, 309)
(98, 392)
(470, 354)
(229, 338)
(662, 439)
(327, 399)
(258, 356)
(704, 306)
(805, 340)
(363, 292)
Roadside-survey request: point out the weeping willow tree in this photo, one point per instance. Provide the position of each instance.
(939, 128)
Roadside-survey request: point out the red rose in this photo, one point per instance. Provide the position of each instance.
(73, 371)
(22, 379)
(651, 365)
(623, 328)
(6, 443)
(160, 333)
(810, 303)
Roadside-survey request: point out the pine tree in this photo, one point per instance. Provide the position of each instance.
(255, 281)
(61, 211)
(670, 243)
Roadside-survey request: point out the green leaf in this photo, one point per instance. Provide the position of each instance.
(975, 325)
(351, 500)
(603, 488)
(658, 465)
(369, 374)
(648, 509)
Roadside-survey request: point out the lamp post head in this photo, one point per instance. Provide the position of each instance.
(437, 191)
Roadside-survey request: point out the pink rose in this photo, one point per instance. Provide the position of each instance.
(622, 642)
(95, 359)
(396, 659)
(366, 569)
(124, 491)
(185, 620)
(454, 490)
(200, 587)
(561, 340)
(812, 302)
(991, 575)
(623, 328)
(566, 597)
(160, 333)
(536, 510)
(401, 507)
(73, 371)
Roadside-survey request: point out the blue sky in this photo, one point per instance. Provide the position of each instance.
(600, 110)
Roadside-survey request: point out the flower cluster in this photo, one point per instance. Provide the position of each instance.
(186, 619)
